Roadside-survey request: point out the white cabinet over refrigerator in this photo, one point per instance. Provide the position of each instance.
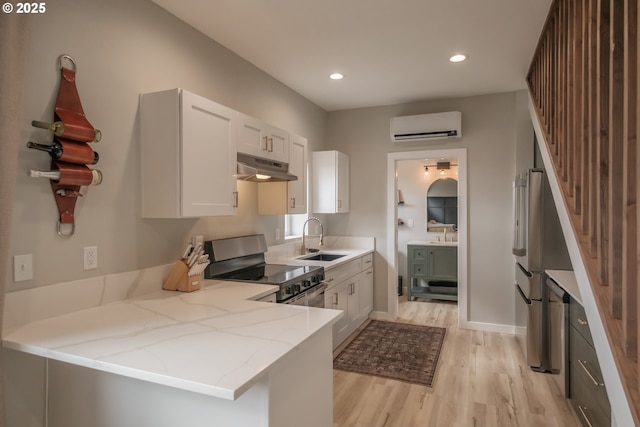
(188, 156)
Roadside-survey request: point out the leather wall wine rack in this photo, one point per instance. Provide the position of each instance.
(70, 152)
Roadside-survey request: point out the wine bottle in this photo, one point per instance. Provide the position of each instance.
(77, 133)
(70, 175)
(72, 152)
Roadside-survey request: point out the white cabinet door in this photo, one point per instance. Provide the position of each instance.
(188, 156)
(262, 140)
(280, 198)
(353, 303)
(330, 182)
(277, 143)
(209, 158)
(298, 167)
(342, 198)
(366, 294)
(336, 298)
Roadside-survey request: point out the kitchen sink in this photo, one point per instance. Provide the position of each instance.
(322, 257)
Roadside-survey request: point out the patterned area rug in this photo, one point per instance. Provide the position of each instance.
(393, 350)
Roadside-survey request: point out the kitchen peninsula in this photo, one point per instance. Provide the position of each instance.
(211, 357)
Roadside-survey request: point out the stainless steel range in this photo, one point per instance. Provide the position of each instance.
(241, 259)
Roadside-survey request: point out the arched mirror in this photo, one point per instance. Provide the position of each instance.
(442, 204)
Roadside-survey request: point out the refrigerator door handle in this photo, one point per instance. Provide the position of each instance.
(525, 272)
(519, 217)
(522, 295)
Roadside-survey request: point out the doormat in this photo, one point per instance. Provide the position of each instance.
(398, 351)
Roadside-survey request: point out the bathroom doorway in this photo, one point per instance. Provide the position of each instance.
(409, 220)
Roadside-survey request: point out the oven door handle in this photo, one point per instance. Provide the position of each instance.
(317, 290)
(307, 295)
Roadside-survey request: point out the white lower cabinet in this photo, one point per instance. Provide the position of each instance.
(366, 287)
(350, 289)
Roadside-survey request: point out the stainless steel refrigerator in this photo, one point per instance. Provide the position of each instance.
(538, 245)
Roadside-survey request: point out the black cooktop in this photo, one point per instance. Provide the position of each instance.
(273, 274)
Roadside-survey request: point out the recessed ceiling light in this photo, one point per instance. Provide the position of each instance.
(336, 76)
(459, 57)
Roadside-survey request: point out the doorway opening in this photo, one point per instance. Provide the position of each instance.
(394, 162)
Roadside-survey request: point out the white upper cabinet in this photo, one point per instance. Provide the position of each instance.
(188, 156)
(330, 182)
(262, 140)
(298, 167)
(279, 198)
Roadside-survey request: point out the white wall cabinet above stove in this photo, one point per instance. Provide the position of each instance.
(279, 198)
(262, 140)
(188, 156)
(330, 182)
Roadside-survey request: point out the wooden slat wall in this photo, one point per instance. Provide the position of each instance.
(584, 82)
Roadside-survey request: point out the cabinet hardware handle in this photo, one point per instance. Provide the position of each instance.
(591, 377)
(368, 262)
(235, 199)
(339, 204)
(584, 415)
(266, 143)
(335, 302)
(582, 321)
(293, 202)
(271, 145)
(329, 280)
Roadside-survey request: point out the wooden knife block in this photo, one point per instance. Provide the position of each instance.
(179, 279)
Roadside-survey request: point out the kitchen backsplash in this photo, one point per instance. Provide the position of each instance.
(35, 304)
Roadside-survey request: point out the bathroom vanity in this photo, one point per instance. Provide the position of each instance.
(432, 269)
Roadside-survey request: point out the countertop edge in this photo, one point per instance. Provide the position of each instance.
(566, 279)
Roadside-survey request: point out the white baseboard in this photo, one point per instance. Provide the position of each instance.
(380, 315)
(488, 327)
(474, 326)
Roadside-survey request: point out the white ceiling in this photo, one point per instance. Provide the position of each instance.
(389, 51)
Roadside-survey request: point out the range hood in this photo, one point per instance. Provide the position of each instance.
(257, 169)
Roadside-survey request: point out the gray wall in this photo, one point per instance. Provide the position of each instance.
(124, 48)
(489, 134)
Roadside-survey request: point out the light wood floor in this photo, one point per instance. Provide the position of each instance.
(482, 381)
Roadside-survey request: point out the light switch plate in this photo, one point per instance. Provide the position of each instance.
(22, 267)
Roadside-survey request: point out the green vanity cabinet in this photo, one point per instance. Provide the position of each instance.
(432, 271)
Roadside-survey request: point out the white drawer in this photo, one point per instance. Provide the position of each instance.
(341, 273)
(367, 261)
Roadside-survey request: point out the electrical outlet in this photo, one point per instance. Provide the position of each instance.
(90, 257)
(22, 267)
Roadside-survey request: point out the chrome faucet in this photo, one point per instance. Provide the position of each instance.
(303, 248)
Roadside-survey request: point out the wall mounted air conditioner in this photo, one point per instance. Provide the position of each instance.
(426, 126)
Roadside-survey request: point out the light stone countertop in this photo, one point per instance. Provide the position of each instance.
(431, 243)
(214, 341)
(352, 248)
(567, 281)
